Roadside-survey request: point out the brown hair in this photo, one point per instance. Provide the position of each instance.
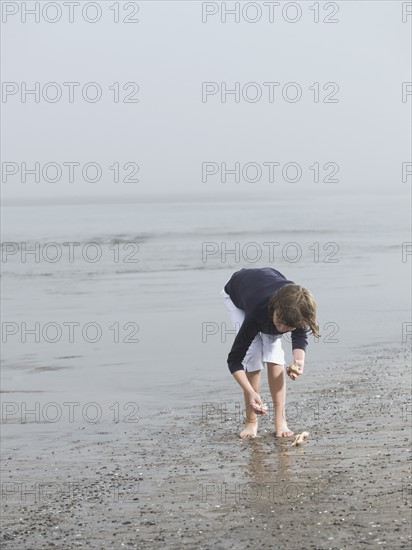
(295, 307)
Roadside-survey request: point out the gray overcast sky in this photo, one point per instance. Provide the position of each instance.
(170, 132)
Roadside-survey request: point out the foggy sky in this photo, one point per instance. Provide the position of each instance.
(170, 132)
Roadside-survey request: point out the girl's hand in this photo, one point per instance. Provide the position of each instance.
(254, 401)
(295, 370)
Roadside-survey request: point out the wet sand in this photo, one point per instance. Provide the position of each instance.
(182, 478)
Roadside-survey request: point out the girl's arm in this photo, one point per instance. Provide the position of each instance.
(244, 338)
(241, 379)
(299, 357)
(252, 397)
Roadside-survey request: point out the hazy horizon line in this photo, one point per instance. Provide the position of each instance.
(173, 198)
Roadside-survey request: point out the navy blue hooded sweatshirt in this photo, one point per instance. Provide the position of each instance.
(250, 290)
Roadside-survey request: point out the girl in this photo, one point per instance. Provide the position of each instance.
(263, 305)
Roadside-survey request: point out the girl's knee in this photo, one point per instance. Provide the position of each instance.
(275, 366)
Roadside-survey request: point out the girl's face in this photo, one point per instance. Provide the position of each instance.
(279, 325)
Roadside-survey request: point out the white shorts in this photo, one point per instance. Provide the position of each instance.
(265, 348)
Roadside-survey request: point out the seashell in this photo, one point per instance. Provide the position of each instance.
(260, 409)
(300, 438)
(294, 368)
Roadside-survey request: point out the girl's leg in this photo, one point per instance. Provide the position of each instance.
(251, 425)
(277, 386)
(252, 360)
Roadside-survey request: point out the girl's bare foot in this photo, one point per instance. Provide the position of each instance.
(250, 430)
(283, 431)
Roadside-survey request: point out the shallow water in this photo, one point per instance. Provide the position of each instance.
(161, 269)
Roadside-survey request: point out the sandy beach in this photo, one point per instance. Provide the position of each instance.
(154, 148)
(182, 478)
